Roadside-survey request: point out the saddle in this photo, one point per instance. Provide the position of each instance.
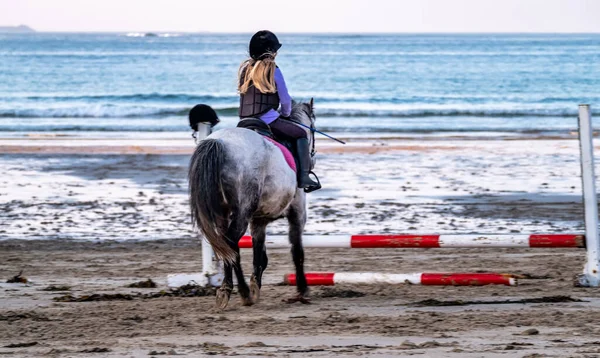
(264, 129)
(256, 125)
(260, 127)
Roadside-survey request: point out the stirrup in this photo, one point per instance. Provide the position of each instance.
(310, 189)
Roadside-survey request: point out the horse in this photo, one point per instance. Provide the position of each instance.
(237, 178)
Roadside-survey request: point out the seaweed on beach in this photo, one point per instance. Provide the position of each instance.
(21, 345)
(11, 316)
(143, 284)
(18, 278)
(547, 299)
(338, 293)
(183, 291)
(96, 297)
(96, 350)
(528, 276)
(54, 288)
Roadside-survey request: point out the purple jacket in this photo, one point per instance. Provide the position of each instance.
(284, 99)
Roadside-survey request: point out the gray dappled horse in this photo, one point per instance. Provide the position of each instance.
(237, 178)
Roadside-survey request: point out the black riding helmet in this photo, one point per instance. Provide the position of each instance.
(262, 44)
(202, 113)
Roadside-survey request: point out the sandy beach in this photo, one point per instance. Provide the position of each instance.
(96, 216)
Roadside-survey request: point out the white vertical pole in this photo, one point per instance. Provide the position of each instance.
(207, 258)
(210, 266)
(591, 271)
(211, 275)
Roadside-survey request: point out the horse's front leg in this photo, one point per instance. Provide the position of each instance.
(297, 220)
(260, 262)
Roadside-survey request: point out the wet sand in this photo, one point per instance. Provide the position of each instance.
(98, 222)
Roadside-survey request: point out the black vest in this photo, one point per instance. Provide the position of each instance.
(254, 103)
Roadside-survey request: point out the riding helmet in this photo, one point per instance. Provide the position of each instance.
(262, 44)
(202, 113)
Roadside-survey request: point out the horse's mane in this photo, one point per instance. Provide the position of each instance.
(300, 110)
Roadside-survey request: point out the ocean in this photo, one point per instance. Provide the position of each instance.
(125, 83)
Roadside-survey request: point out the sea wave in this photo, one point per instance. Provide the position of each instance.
(96, 111)
(327, 99)
(422, 113)
(92, 53)
(158, 97)
(136, 126)
(413, 111)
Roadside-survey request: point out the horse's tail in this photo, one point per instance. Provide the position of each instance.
(207, 199)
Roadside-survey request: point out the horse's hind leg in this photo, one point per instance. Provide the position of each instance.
(297, 219)
(260, 261)
(236, 230)
(224, 292)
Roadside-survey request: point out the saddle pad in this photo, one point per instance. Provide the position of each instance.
(289, 158)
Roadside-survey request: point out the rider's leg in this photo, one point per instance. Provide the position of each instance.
(304, 180)
(286, 129)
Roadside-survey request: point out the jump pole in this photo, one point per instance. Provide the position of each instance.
(591, 270)
(425, 241)
(430, 279)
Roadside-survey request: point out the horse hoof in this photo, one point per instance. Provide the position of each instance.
(223, 296)
(247, 302)
(254, 290)
(298, 298)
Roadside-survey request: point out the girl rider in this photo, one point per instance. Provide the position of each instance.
(262, 90)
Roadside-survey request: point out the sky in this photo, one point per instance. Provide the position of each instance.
(304, 15)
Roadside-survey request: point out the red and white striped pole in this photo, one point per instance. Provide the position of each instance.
(431, 279)
(426, 241)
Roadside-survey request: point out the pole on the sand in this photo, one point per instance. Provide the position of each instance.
(591, 271)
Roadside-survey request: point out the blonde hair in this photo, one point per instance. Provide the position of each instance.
(260, 73)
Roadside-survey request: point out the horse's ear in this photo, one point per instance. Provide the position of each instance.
(312, 103)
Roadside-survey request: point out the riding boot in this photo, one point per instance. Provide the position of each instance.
(304, 163)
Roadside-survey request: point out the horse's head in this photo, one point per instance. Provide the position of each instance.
(303, 112)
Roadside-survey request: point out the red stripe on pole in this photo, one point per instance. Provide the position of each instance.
(465, 279)
(552, 240)
(245, 242)
(312, 279)
(399, 241)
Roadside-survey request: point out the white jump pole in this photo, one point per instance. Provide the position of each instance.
(591, 271)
